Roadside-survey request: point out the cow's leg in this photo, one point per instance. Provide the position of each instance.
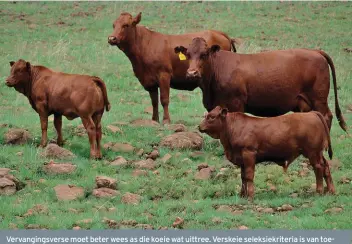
(155, 102)
(164, 84)
(97, 122)
(91, 130)
(58, 127)
(330, 188)
(44, 127)
(247, 173)
(316, 162)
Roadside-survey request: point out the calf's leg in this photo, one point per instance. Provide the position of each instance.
(330, 188)
(164, 84)
(91, 130)
(97, 122)
(155, 102)
(58, 127)
(247, 173)
(316, 162)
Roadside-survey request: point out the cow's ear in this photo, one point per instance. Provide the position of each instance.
(180, 49)
(224, 112)
(28, 66)
(12, 63)
(214, 49)
(137, 19)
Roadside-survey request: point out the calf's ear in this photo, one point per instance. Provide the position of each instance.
(28, 66)
(214, 49)
(224, 112)
(12, 63)
(137, 19)
(180, 49)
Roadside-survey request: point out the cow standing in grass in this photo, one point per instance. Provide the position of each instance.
(154, 61)
(250, 140)
(263, 84)
(57, 93)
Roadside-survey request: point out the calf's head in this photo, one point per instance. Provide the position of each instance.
(198, 54)
(213, 122)
(20, 73)
(124, 28)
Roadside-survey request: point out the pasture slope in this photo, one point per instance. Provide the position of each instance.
(72, 37)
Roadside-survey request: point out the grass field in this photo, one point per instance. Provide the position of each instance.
(72, 37)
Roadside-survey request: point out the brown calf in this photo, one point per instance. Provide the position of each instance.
(154, 62)
(249, 140)
(263, 84)
(57, 93)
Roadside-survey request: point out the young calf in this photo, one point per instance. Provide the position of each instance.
(57, 93)
(249, 140)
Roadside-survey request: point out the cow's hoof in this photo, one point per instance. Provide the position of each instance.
(166, 121)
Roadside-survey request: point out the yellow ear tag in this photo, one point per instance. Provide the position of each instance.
(182, 56)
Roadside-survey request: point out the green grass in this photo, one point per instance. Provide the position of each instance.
(53, 35)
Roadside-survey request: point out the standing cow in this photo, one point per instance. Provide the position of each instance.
(57, 93)
(264, 84)
(153, 59)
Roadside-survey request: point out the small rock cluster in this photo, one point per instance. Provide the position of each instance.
(9, 184)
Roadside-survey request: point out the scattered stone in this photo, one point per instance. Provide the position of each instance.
(178, 223)
(131, 198)
(144, 226)
(166, 158)
(334, 164)
(294, 195)
(266, 210)
(176, 127)
(333, 210)
(153, 155)
(139, 172)
(216, 220)
(145, 164)
(243, 227)
(145, 123)
(344, 180)
(148, 110)
(76, 228)
(20, 154)
(183, 140)
(119, 161)
(17, 136)
(285, 207)
(114, 129)
(163, 228)
(119, 147)
(59, 168)
(204, 174)
(68, 192)
(7, 187)
(348, 50)
(4, 171)
(224, 208)
(202, 166)
(107, 182)
(140, 152)
(197, 154)
(55, 151)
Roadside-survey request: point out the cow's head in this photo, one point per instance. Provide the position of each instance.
(198, 54)
(124, 27)
(20, 73)
(213, 122)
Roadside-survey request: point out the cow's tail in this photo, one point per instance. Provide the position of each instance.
(233, 45)
(327, 132)
(102, 86)
(339, 115)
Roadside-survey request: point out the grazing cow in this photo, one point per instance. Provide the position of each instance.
(153, 59)
(265, 84)
(57, 93)
(249, 140)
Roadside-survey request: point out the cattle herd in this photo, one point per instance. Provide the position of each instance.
(268, 84)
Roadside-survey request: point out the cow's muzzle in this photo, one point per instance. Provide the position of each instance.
(112, 40)
(201, 129)
(9, 83)
(193, 74)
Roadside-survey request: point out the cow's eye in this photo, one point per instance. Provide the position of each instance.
(113, 26)
(210, 117)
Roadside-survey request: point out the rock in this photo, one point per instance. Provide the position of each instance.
(119, 147)
(144, 226)
(145, 123)
(163, 228)
(20, 154)
(7, 187)
(76, 228)
(266, 210)
(333, 210)
(114, 129)
(84, 221)
(131, 198)
(119, 161)
(145, 164)
(216, 220)
(176, 127)
(334, 164)
(17, 136)
(183, 140)
(294, 195)
(54, 151)
(148, 110)
(105, 192)
(4, 171)
(178, 223)
(153, 155)
(107, 182)
(68, 192)
(202, 166)
(344, 180)
(140, 152)
(204, 174)
(59, 168)
(166, 158)
(197, 154)
(139, 172)
(243, 227)
(224, 208)
(285, 207)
